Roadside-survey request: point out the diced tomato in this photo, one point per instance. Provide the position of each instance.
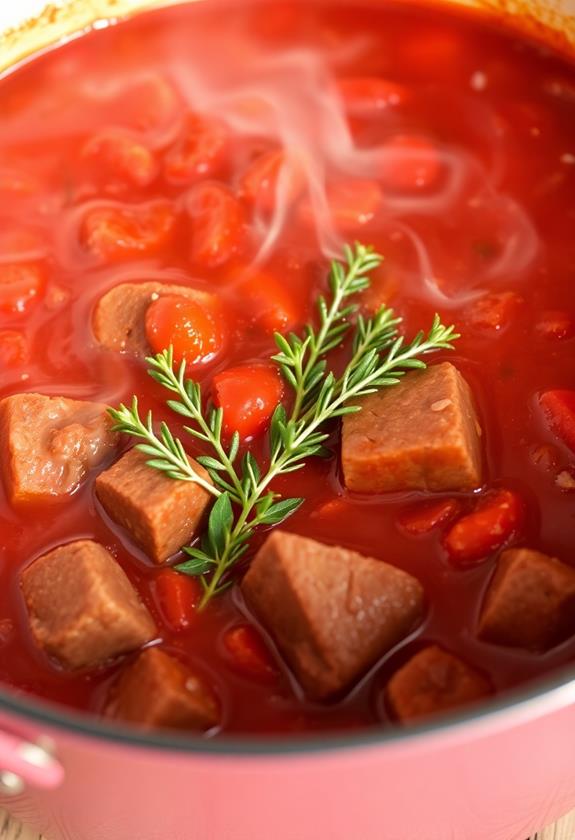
(149, 103)
(121, 232)
(117, 156)
(556, 324)
(218, 225)
(249, 654)
(13, 349)
(330, 509)
(494, 312)
(369, 95)
(259, 183)
(559, 412)
(195, 330)
(497, 518)
(424, 517)
(177, 596)
(249, 395)
(199, 152)
(267, 301)
(21, 284)
(409, 164)
(353, 202)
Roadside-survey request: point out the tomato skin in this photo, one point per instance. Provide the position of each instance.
(13, 349)
(178, 596)
(116, 156)
(497, 518)
(115, 233)
(249, 654)
(259, 184)
(494, 312)
(426, 516)
(268, 303)
(218, 225)
(559, 412)
(198, 153)
(194, 330)
(249, 395)
(410, 164)
(21, 284)
(370, 95)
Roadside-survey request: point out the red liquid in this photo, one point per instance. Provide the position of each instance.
(497, 216)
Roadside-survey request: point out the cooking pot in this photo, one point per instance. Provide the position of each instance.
(497, 773)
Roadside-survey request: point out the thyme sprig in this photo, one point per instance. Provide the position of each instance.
(244, 498)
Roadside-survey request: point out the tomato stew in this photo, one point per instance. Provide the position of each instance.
(232, 152)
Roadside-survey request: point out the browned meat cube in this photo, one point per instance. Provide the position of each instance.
(120, 315)
(48, 444)
(332, 612)
(433, 681)
(422, 434)
(158, 691)
(160, 513)
(530, 602)
(82, 607)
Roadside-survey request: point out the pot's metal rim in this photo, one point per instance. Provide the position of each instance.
(540, 699)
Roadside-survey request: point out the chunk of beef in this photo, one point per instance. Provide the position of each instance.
(120, 315)
(158, 691)
(48, 444)
(332, 612)
(422, 434)
(83, 609)
(530, 602)
(161, 514)
(433, 681)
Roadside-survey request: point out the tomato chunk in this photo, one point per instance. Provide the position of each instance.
(410, 164)
(249, 654)
(424, 517)
(147, 104)
(177, 596)
(21, 284)
(118, 156)
(13, 349)
(494, 312)
(123, 232)
(497, 518)
(353, 202)
(559, 412)
(260, 182)
(369, 95)
(556, 324)
(249, 395)
(199, 152)
(218, 225)
(269, 304)
(195, 331)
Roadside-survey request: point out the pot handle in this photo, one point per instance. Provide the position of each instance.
(25, 763)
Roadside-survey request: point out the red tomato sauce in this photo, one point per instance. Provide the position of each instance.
(137, 153)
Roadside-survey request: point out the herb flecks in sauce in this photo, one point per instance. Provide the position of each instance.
(244, 500)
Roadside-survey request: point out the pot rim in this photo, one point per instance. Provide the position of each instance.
(541, 698)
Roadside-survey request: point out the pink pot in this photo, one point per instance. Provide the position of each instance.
(497, 775)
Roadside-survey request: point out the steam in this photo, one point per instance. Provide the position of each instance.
(290, 98)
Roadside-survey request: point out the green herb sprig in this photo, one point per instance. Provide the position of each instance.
(241, 487)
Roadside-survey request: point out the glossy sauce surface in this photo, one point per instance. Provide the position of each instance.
(492, 214)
